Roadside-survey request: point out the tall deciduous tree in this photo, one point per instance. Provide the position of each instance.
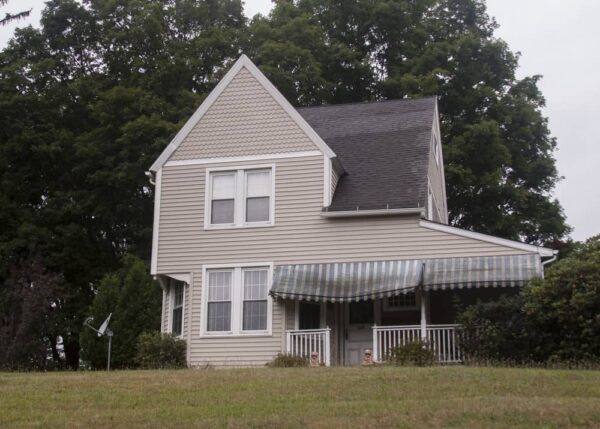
(11, 17)
(87, 102)
(500, 169)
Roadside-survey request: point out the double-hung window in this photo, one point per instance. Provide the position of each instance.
(254, 316)
(177, 309)
(219, 301)
(237, 301)
(240, 197)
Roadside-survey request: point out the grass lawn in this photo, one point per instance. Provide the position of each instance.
(293, 398)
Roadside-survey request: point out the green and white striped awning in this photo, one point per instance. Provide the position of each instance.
(481, 271)
(355, 281)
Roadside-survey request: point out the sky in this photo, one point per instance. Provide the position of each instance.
(557, 39)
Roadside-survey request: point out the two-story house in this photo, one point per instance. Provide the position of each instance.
(320, 229)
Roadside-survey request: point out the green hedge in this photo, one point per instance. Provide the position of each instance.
(160, 351)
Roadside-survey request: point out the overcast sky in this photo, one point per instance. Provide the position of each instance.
(558, 39)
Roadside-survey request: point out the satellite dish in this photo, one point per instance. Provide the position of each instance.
(102, 330)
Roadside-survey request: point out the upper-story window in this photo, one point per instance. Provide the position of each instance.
(240, 197)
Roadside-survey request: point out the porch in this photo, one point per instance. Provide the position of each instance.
(442, 339)
(340, 310)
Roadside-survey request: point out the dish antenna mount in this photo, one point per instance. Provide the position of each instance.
(102, 331)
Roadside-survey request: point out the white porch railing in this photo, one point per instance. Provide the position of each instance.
(306, 341)
(443, 340)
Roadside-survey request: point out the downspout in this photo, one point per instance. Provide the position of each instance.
(150, 176)
(552, 259)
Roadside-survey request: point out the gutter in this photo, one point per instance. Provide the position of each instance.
(552, 259)
(151, 176)
(365, 213)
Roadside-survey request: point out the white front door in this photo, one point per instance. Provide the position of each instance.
(359, 333)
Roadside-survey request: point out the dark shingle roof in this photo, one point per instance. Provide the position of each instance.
(383, 147)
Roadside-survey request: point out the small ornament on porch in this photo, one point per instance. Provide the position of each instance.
(367, 358)
(314, 360)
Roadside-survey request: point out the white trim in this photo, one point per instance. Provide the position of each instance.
(326, 181)
(236, 300)
(181, 277)
(238, 159)
(156, 222)
(382, 212)
(239, 215)
(542, 251)
(242, 62)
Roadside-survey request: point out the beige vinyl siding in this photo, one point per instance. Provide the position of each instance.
(244, 120)
(238, 350)
(436, 182)
(300, 235)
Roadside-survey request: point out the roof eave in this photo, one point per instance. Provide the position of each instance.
(368, 213)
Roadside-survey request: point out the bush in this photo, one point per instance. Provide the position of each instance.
(284, 360)
(555, 320)
(416, 353)
(160, 351)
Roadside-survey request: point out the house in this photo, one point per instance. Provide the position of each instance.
(314, 230)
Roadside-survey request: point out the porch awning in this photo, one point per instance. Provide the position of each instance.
(346, 281)
(481, 271)
(355, 281)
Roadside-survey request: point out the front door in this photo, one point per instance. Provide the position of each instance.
(360, 318)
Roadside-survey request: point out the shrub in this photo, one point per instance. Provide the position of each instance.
(160, 351)
(285, 360)
(416, 353)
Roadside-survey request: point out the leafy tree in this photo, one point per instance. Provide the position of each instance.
(500, 169)
(87, 102)
(11, 17)
(134, 300)
(553, 319)
(30, 316)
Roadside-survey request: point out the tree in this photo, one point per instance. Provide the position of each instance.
(30, 317)
(87, 102)
(11, 17)
(134, 300)
(500, 169)
(554, 319)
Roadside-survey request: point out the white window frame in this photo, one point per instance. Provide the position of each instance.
(173, 284)
(239, 210)
(237, 301)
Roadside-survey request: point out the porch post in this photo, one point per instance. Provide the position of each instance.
(423, 316)
(423, 307)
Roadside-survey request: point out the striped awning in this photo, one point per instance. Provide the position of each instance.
(481, 271)
(355, 281)
(346, 281)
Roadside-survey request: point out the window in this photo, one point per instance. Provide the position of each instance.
(429, 203)
(177, 309)
(236, 301)
(239, 198)
(258, 195)
(407, 301)
(222, 208)
(255, 300)
(219, 301)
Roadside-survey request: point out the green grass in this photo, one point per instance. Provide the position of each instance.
(456, 397)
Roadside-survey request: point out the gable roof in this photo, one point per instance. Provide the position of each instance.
(384, 149)
(242, 63)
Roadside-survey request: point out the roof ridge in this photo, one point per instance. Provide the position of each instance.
(369, 102)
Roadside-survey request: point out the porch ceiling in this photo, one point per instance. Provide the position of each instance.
(355, 281)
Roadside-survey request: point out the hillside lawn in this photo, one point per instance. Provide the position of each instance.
(293, 398)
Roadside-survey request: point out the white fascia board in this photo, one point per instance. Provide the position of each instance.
(181, 277)
(156, 221)
(365, 213)
(542, 251)
(238, 159)
(243, 61)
